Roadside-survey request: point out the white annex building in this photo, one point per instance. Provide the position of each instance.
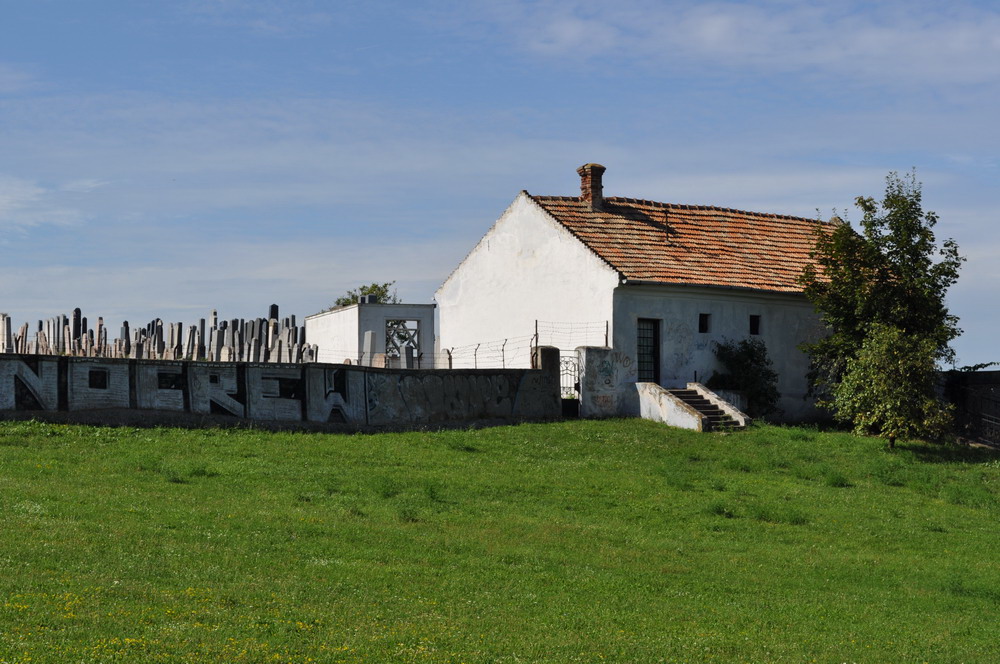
(666, 280)
(372, 333)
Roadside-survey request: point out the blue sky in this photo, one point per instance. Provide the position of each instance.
(160, 159)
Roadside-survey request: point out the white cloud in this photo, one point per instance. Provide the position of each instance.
(83, 186)
(891, 43)
(133, 156)
(24, 203)
(17, 194)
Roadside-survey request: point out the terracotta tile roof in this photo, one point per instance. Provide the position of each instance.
(688, 244)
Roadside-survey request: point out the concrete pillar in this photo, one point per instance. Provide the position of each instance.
(607, 382)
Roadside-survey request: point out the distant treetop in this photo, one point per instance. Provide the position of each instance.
(384, 292)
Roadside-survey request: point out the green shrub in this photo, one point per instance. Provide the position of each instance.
(747, 369)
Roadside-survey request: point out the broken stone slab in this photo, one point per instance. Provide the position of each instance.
(368, 349)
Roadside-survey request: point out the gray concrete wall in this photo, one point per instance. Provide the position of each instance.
(341, 395)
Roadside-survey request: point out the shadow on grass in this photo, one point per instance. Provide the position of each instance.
(949, 452)
(965, 588)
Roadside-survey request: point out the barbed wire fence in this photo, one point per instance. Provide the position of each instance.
(510, 353)
(507, 353)
(516, 351)
(568, 336)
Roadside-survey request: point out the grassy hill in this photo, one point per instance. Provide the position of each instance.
(615, 541)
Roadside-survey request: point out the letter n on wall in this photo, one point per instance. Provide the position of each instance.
(29, 383)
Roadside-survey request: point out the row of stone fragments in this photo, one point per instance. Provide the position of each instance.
(237, 340)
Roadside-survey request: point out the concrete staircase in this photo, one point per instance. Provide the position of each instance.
(718, 419)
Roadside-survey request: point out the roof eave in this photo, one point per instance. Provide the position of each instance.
(686, 284)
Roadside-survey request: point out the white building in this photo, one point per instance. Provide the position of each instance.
(667, 279)
(392, 329)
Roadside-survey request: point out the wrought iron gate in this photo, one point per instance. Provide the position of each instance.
(569, 375)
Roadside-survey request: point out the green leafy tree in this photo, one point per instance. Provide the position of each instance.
(888, 388)
(892, 274)
(747, 369)
(385, 292)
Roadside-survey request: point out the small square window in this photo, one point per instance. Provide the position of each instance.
(754, 324)
(704, 323)
(213, 379)
(98, 379)
(289, 388)
(169, 381)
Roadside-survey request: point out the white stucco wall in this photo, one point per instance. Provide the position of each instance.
(335, 333)
(687, 356)
(526, 268)
(340, 333)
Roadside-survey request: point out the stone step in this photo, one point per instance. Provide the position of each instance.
(718, 419)
(692, 399)
(723, 423)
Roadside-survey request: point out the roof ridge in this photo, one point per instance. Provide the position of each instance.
(625, 200)
(556, 198)
(636, 201)
(715, 208)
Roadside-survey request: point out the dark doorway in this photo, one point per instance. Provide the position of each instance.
(648, 350)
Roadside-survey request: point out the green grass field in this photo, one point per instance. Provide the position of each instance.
(613, 541)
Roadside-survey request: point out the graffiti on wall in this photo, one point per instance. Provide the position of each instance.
(615, 369)
(334, 394)
(605, 375)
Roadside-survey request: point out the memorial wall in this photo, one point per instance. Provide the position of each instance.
(344, 395)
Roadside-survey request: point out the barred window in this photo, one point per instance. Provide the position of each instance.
(648, 350)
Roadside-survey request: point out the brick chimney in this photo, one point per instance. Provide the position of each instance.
(591, 188)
